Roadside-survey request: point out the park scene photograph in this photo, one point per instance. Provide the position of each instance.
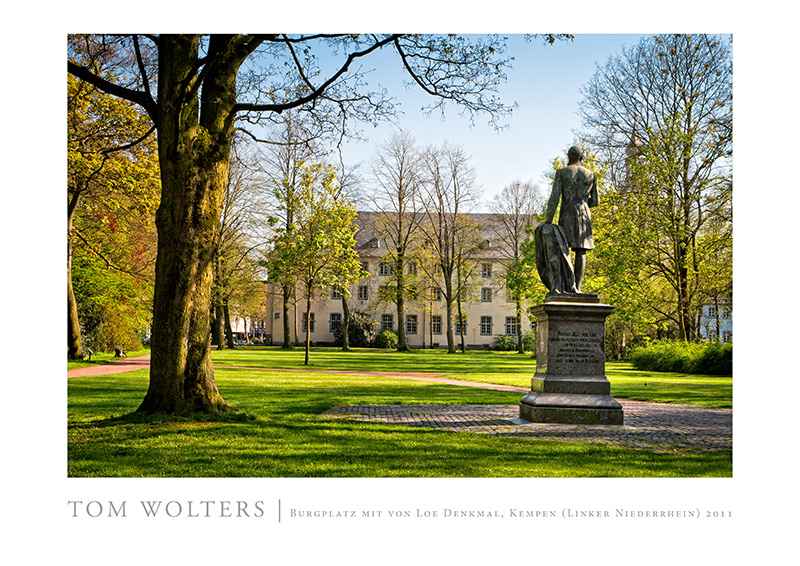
(399, 256)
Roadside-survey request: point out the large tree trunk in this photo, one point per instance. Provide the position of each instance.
(520, 345)
(194, 148)
(74, 342)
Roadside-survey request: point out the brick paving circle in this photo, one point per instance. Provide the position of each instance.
(655, 426)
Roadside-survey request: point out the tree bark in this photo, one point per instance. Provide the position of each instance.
(287, 331)
(448, 305)
(217, 332)
(194, 148)
(308, 325)
(402, 344)
(345, 324)
(228, 328)
(461, 326)
(74, 342)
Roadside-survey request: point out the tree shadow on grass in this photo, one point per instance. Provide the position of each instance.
(163, 419)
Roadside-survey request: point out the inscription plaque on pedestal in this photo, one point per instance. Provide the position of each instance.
(570, 385)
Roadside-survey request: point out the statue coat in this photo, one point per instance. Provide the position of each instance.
(576, 187)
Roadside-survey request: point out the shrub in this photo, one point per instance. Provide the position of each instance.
(684, 357)
(386, 339)
(529, 341)
(716, 359)
(361, 331)
(505, 343)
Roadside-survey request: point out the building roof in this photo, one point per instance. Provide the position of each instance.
(370, 244)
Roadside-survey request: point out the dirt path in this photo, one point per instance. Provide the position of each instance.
(115, 366)
(143, 362)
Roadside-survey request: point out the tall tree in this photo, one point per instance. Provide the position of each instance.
(237, 239)
(516, 208)
(112, 190)
(449, 191)
(396, 174)
(194, 88)
(318, 250)
(293, 144)
(664, 109)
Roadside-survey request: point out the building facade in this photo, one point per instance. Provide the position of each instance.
(716, 322)
(488, 310)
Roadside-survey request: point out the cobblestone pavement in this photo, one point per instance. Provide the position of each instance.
(655, 426)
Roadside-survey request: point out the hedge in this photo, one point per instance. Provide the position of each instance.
(709, 358)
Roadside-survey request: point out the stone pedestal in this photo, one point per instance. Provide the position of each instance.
(570, 385)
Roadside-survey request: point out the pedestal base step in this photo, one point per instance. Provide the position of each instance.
(571, 409)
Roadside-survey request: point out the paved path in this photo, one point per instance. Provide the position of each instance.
(114, 366)
(656, 426)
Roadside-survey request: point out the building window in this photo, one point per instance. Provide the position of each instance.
(336, 293)
(712, 311)
(385, 268)
(335, 321)
(461, 326)
(387, 322)
(486, 295)
(412, 268)
(437, 294)
(277, 315)
(436, 324)
(306, 327)
(727, 336)
(486, 326)
(363, 292)
(511, 325)
(486, 270)
(411, 324)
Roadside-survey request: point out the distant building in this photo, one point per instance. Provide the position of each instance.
(716, 322)
(488, 310)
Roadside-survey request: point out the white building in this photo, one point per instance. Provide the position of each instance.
(487, 308)
(716, 323)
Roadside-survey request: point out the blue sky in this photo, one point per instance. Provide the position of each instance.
(545, 81)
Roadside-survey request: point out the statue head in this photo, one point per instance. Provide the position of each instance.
(574, 154)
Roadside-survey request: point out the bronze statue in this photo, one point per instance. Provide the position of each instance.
(576, 187)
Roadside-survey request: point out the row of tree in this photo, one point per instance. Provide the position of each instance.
(658, 121)
(423, 197)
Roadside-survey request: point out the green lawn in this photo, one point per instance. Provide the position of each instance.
(504, 368)
(278, 430)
